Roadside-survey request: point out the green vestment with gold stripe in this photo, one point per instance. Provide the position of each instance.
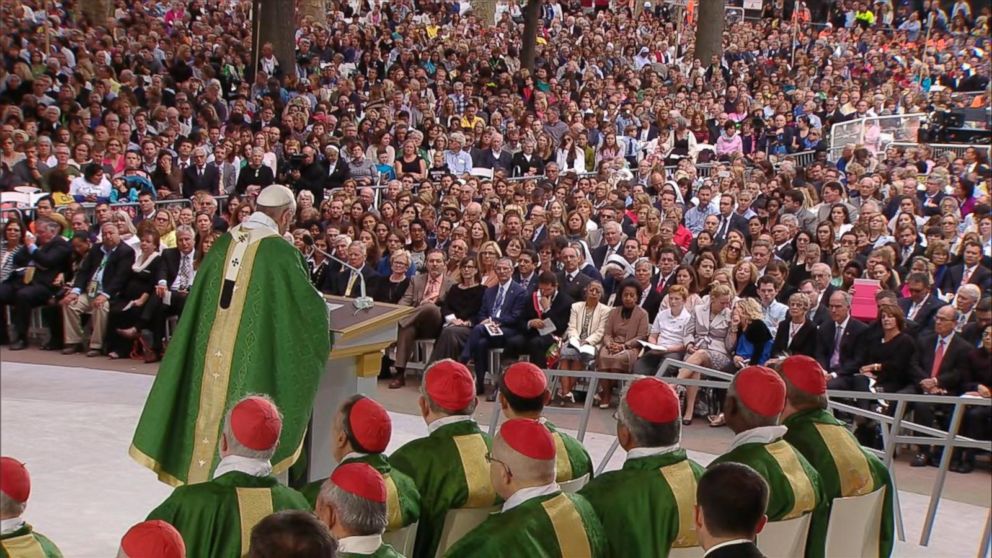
(402, 498)
(846, 468)
(794, 486)
(450, 470)
(553, 526)
(216, 518)
(253, 323)
(384, 551)
(26, 543)
(571, 458)
(647, 506)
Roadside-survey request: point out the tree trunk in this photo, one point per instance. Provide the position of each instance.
(96, 11)
(532, 15)
(316, 9)
(710, 19)
(271, 24)
(485, 11)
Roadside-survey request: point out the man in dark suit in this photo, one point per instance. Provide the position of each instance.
(909, 248)
(972, 332)
(571, 281)
(495, 157)
(346, 282)
(99, 282)
(668, 259)
(969, 271)
(942, 360)
(730, 510)
(931, 197)
(729, 219)
(537, 216)
(612, 244)
(526, 273)
(173, 285)
(920, 306)
(200, 175)
(503, 306)
(41, 259)
(838, 345)
(546, 304)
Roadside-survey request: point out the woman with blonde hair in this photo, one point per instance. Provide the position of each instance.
(489, 253)
(745, 276)
(753, 345)
(707, 341)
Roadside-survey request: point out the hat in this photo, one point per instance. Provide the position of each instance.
(529, 438)
(15, 481)
(761, 390)
(653, 400)
(275, 195)
(255, 423)
(153, 539)
(370, 425)
(360, 479)
(806, 374)
(525, 379)
(450, 385)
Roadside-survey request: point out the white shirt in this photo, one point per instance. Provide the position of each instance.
(638, 453)
(192, 272)
(367, 544)
(727, 543)
(524, 494)
(445, 421)
(259, 219)
(670, 329)
(915, 307)
(774, 313)
(10, 525)
(759, 435)
(248, 465)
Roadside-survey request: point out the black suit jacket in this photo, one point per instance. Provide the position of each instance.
(737, 222)
(169, 269)
(903, 263)
(48, 261)
(924, 317)
(851, 347)
(804, 342)
(951, 375)
(519, 165)
(337, 283)
(575, 288)
(599, 253)
(193, 182)
(531, 285)
(115, 273)
(262, 176)
(487, 160)
(335, 179)
(559, 312)
(739, 550)
(981, 277)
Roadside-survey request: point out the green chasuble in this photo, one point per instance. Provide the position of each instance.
(794, 486)
(402, 498)
(571, 458)
(846, 468)
(450, 470)
(253, 323)
(553, 526)
(647, 506)
(384, 551)
(216, 518)
(26, 543)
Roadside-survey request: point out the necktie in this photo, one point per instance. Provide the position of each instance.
(724, 223)
(938, 357)
(184, 269)
(432, 290)
(351, 283)
(835, 356)
(966, 276)
(498, 305)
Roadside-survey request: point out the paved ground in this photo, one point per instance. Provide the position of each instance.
(72, 426)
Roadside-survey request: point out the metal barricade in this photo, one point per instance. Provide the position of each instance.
(875, 132)
(801, 159)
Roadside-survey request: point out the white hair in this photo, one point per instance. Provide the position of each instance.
(359, 516)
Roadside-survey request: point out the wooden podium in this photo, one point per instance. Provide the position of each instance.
(353, 368)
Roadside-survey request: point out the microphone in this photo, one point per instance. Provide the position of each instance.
(363, 302)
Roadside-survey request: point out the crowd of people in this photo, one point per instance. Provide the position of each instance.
(620, 203)
(532, 483)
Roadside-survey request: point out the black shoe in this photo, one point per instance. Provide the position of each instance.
(921, 460)
(51, 347)
(935, 460)
(18, 345)
(492, 396)
(964, 467)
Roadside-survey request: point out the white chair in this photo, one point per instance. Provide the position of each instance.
(16, 199)
(855, 525)
(457, 523)
(689, 552)
(785, 539)
(403, 539)
(574, 485)
(482, 172)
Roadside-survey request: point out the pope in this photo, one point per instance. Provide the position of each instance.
(449, 465)
(360, 434)
(523, 393)
(216, 517)
(647, 506)
(846, 468)
(17, 538)
(754, 402)
(152, 539)
(537, 520)
(253, 323)
(353, 504)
